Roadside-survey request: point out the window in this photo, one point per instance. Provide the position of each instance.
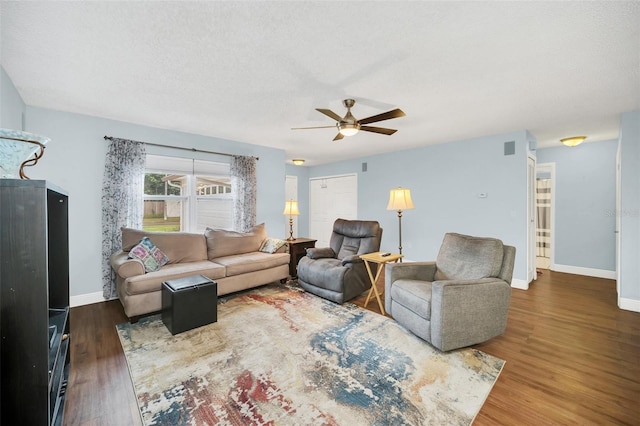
(183, 194)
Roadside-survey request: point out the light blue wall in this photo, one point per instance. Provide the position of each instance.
(74, 160)
(585, 202)
(12, 106)
(302, 173)
(445, 181)
(630, 208)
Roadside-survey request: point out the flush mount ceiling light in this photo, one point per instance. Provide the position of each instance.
(573, 140)
(298, 161)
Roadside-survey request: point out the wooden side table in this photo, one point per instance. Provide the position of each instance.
(381, 261)
(297, 249)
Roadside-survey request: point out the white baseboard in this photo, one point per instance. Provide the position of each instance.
(629, 304)
(86, 299)
(589, 272)
(519, 284)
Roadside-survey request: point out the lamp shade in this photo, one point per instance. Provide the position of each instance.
(348, 129)
(291, 208)
(400, 199)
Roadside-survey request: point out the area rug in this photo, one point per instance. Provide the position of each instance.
(280, 356)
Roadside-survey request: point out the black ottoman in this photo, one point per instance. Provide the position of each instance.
(189, 302)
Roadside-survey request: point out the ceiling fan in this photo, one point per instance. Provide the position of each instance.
(349, 125)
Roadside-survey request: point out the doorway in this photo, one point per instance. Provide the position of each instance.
(545, 195)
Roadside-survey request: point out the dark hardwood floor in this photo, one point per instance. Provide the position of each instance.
(573, 358)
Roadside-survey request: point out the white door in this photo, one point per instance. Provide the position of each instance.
(531, 217)
(291, 193)
(331, 198)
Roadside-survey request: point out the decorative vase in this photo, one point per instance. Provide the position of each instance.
(17, 150)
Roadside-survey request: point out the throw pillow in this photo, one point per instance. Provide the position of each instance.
(271, 245)
(151, 256)
(221, 242)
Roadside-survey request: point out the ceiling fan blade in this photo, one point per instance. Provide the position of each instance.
(338, 137)
(329, 113)
(378, 130)
(396, 113)
(315, 127)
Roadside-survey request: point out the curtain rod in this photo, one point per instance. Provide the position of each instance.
(110, 138)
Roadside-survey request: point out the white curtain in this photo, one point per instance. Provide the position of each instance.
(543, 217)
(122, 201)
(244, 189)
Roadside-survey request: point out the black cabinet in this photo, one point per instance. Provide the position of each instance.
(34, 302)
(297, 250)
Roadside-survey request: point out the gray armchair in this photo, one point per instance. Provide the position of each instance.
(337, 273)
(460, 299)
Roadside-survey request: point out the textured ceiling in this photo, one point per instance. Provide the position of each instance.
(249, 71)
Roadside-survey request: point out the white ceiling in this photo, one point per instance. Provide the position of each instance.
(249, 71)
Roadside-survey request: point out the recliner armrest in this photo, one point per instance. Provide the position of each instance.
(320, 252)
(352, 259)
(466, 312)
(423, 271)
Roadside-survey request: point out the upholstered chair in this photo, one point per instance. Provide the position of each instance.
(460, 299)
(337, 273)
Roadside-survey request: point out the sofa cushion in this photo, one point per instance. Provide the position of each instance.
(250, 262)
(153, 280)
(178, 246)
(221, 242)
(151, 256)
(463, 257)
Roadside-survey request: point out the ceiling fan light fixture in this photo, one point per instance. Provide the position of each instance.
(348, 129)
(573, 140)
(298, 161)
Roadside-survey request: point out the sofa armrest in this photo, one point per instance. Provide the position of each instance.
(466, 312)
(126, 267)
(320, 252)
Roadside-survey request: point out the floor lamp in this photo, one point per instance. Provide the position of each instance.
(400, 199)
(291, 209)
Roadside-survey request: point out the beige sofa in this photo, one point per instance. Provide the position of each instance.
(232, 259)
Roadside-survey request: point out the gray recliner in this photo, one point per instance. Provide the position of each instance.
(337, 273)
(460, 299)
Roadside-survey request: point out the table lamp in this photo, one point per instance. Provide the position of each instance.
(400, 199)
(291, 209)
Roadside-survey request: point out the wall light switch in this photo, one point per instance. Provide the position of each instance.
(482, 195)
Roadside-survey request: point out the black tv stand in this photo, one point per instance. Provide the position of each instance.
(34, 296)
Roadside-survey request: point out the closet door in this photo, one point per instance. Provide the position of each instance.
(330, 198)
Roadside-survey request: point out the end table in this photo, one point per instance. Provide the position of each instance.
(377, 257)
(297, 249)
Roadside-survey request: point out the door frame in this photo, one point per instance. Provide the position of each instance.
(551, 169)
(531, 219)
